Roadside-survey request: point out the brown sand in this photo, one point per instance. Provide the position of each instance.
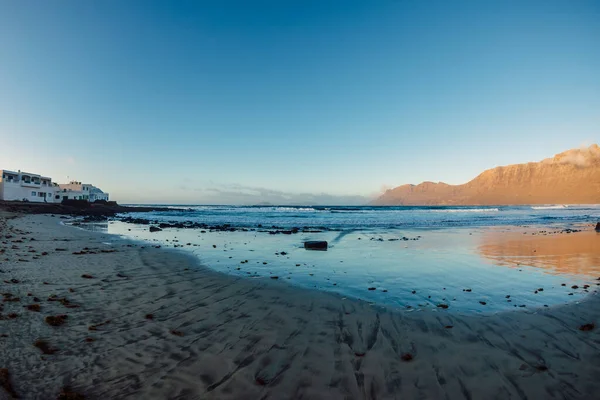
(213, 336)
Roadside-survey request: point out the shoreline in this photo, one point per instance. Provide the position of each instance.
(251, 338)
(462, 262)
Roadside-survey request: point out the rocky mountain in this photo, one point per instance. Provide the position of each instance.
(572, 177)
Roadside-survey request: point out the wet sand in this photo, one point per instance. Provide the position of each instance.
(574, 253)
(150, 323)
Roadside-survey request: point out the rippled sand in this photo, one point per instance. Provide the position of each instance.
(164, 327)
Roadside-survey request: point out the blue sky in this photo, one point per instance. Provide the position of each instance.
(291, 101)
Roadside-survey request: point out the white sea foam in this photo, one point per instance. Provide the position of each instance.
(465, 210)
(557, 207)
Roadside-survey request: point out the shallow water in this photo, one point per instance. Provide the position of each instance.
(493, 260)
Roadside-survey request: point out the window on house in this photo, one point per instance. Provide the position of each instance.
(57, 197)
(33, 194)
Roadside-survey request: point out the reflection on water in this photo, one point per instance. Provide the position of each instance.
(575, 253)
(454, 266)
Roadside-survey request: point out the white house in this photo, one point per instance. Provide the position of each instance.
(81, 191)
(97, 194)
(24, 186)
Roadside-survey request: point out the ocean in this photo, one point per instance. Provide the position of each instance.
(377, 218)
(471, 259)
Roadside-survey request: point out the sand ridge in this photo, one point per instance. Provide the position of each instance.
(214, 336)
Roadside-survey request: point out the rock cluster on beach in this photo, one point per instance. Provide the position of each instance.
(90, 211)
(156, 226)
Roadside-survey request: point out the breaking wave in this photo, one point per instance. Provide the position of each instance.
(464, 210)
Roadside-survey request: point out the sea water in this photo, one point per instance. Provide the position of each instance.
(473, 259)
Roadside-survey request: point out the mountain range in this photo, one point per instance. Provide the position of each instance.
(571, 177)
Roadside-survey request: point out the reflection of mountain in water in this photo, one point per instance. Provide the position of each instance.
(575, 253)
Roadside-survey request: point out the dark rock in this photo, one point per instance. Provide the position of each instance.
(155, 229)
(44, 347)
(261, 381)
(56, 320)
(6, 384)
(316, 245)
(587, 327)
(598, 227)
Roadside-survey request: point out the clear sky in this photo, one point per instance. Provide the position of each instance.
(291, 101)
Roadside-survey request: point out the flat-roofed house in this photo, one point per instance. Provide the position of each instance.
(25, 186)
(75, 190)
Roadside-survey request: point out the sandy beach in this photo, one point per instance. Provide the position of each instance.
(148, 323)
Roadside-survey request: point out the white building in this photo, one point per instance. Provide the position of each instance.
(97, 194)
(81, 191)
(24, 186)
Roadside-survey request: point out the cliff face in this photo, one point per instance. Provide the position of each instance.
(572, 177)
